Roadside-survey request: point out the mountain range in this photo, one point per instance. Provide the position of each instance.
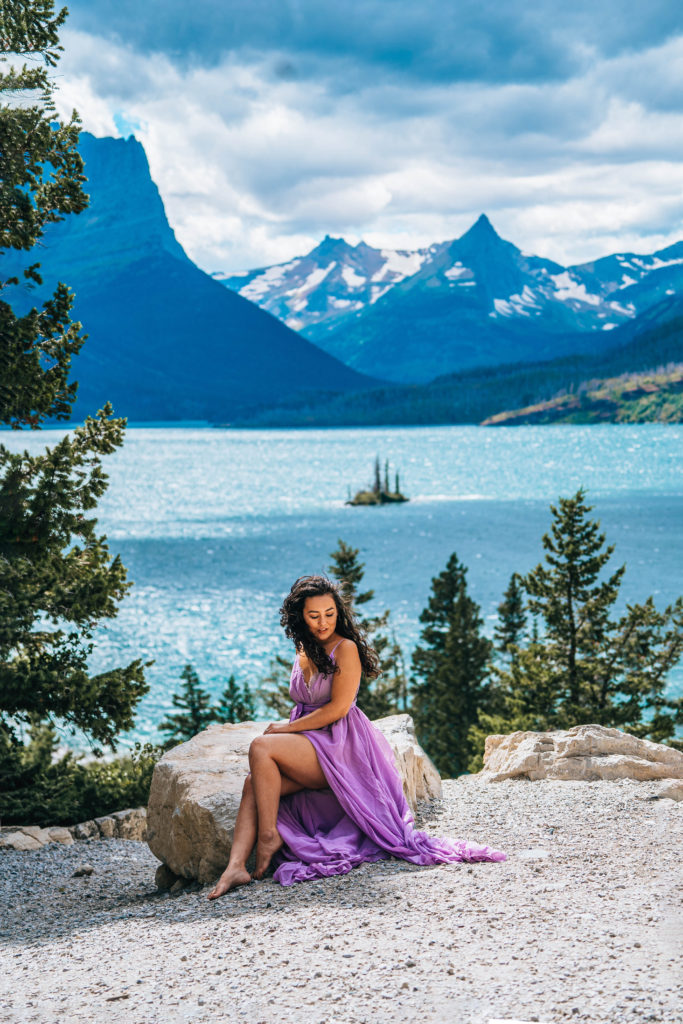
(652, 341)
(165, 340)
(455, 332)
(409, 316)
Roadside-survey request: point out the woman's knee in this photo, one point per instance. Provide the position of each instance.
(247, 788)
(258, 748)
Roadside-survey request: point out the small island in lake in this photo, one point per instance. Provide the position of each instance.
(379, 493)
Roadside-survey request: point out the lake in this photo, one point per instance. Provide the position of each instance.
(214, 526)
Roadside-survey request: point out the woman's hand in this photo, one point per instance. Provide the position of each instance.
(276, 727)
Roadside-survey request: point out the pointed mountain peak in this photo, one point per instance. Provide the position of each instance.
(481, 228)
(482, 241)
(330, 248)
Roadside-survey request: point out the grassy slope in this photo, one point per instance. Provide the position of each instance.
(630, 398)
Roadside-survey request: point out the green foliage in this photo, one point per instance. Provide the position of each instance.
(382, 696)
(56, 583)
(236, 703)
(37, 788)
(274, 689)
(585, 666)
(41, 178)
(57, 580)
(512, 623)
(450, 684)
(195, 710)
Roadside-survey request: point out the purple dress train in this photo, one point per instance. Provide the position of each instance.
(364, 815)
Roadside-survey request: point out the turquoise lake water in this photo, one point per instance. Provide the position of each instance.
(214, 526)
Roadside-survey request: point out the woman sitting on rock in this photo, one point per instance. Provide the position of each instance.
(323, 794)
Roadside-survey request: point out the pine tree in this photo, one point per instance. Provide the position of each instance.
(582, 665)
(57, 580)
(195, 709)
(510, 629)
(274, 689)
(349, 572)
(450, 671)
(236, 703)
(376, 698)
(41, 178)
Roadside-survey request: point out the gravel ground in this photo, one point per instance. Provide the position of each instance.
(581, 923)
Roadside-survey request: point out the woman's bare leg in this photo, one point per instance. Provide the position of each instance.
(270, 758)
(244, 838)
(243, 841)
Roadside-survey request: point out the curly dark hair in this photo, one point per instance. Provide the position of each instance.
(292, 621)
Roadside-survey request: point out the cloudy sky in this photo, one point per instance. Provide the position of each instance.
(270, 123)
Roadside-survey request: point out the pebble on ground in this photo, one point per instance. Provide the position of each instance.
(580, 924)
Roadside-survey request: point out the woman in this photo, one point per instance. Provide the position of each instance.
(323, 794)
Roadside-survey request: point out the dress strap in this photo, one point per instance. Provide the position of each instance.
(335, 647)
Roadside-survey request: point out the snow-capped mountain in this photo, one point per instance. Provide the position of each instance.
(477, 300)
(333, 280)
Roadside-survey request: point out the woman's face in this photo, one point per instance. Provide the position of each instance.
(320, 615)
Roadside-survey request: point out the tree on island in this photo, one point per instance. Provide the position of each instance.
(450, 671)
(378, 493)
(236, 703)
(584, 665)
(57, 578)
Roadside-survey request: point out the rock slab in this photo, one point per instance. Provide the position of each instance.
(128, 824)
(583, 753)
(197, 787)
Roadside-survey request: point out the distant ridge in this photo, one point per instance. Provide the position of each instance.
(653, 341)
(474, 301)
(166, 341)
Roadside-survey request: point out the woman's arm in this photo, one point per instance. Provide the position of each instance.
(344, 688)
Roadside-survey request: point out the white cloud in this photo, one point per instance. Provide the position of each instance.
(255, 168)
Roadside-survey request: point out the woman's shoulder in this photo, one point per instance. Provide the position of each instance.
(347, 647)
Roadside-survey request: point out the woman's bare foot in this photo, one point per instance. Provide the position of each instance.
(230, 879)
(268, 843)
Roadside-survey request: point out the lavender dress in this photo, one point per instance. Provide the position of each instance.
(364, 815)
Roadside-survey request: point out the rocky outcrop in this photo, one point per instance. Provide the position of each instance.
(421, 781)
(197, 787)
(128, 824)
(584, 753)
(31, 837)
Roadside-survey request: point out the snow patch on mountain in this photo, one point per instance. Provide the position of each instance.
(456, 271)
(261, 285)
(626, 310)
(378, 290)
(316, 276)
(399, 263)
(353, 279)
(517, 305)
(566, 287)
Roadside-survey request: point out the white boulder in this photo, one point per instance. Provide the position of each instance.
(583, 753)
